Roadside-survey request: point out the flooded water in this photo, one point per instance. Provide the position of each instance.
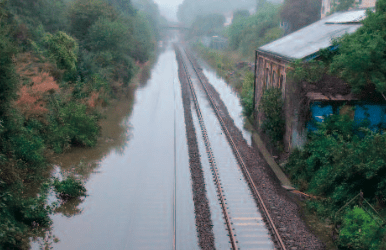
(229, 96)
(135, 176)
(231, 100)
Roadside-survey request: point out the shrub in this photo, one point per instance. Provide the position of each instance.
(69, 188)
(28, 146)
(247, 34)
(82, 128)
(247, 94)
(8, 77)
(19, 213)
(340, 159)
(33, 212)
(359, 231)
(310, 72)
(271, 105)
(63, 49)
(24, 144)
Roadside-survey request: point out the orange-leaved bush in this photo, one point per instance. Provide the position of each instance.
(32, 101)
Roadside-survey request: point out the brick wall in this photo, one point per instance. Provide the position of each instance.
(359, 4)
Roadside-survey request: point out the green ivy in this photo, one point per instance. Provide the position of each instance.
(247, 94)
(271, 105)
(310, 72)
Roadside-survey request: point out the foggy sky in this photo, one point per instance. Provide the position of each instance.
(168, 8)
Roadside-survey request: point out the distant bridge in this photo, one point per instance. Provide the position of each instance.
(175, 27)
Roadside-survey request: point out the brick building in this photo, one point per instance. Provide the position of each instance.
(327, 5)
(273, 59)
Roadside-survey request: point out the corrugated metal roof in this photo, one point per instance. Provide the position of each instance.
(310, 39)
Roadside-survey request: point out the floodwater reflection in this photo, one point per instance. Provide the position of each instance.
(131, 175)
(230, 98)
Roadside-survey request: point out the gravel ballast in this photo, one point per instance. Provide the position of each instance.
(201, 205)
(283, 210)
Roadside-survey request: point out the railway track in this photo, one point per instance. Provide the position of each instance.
(260, 203)
(212, 161)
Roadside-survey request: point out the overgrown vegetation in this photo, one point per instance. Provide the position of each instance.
(310, 72)
(355, 58)
(247, 93)
(341, 5)
(271, 105)
(59, 61)
(343, 158)
(361, 231)
(300, 13)
(69, 188)
(340, 160)
(190, 9)
(19, 214)
(247, 33)
(222, 61)
(207, 25)
(359, 60)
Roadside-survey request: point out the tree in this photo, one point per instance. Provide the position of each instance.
(8, 79)
(240, 14)
(207, 25)
(150, 13)
(84, 13)
(247, 34)
(115, 36)
(342, 5)
(360, 60)
(123, 6)
(62, 49)
(190, 9)
(260, 4)
(143, 38)
(300, 13)
(49, 13)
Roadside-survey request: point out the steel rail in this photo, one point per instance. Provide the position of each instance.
(240, 159)
(211, 157)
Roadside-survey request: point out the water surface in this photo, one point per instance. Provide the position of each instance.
(133, 184)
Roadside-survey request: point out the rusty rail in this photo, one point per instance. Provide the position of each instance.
(241, 161)
(212, 160)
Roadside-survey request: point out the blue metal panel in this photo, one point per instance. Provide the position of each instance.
(384, 116)
(374, 114)
(318, 112)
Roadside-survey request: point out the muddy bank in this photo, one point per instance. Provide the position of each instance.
(201, 205)
(284, 211)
